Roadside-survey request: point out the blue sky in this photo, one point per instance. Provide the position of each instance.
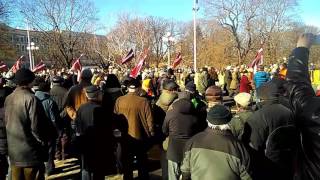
(181, 10)
(309, 10)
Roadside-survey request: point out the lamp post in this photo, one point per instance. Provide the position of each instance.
(170, 40)
(31, 48)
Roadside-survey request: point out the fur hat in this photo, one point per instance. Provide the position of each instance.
(243, 99)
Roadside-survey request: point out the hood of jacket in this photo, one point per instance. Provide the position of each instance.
(183, 106)
(166, 98)
(42, 95)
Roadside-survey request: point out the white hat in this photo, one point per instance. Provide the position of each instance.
(243, 99)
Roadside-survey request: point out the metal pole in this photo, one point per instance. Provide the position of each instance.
(29, 46)
(195, 9)
(168, 55)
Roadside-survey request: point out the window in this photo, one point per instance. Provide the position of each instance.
(21, 39)
(18, 47)
(23, 48)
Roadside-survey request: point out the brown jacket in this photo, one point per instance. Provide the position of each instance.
(137, 111)
(74, 99)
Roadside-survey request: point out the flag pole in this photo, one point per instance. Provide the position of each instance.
(29, 45)
(195, 9)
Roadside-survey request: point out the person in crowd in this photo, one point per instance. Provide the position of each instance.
(97, 156)
(28, 129)
(260, 77)
(306, 107)
(243, 101)
(52, 112)
(137, 112)
(221, 79)
(202, 81)
(3, 143)
(234, 85)
(245, 84)
(112, 91)
(215, 153)
(213, 96)
(228, 79)
(283, 71)
(74, 98)
(272, 130)
(58, 93)
(180, 124)
(167, 97)
(318, 91)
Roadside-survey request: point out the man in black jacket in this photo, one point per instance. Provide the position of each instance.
(273, 131)
(91, 125)
(306, 107)
(180, 124)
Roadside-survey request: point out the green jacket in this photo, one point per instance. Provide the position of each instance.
(237, 123)
(215, 155)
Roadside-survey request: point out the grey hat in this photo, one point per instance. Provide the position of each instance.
(92, 91)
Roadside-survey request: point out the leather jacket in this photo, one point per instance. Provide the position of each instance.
(307, 110)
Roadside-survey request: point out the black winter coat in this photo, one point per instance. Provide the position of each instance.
(96, 138)
(273, 133)
(180, 124)
(307, 110)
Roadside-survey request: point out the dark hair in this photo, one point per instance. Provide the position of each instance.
(42, 84)
(112, 81)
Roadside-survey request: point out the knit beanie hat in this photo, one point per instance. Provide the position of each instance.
(213, 93)
(191, 87)
(243, 99)
(24, 77)
(218, 115)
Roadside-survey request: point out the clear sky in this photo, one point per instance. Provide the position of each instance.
(181, 10)
(309, 10)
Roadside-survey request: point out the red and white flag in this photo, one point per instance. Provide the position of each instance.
(258, 60)
(177, 61)
(3, 67)
(128, 57)
(136, 70)
(17, 65)
(39, 67)
(76, 66)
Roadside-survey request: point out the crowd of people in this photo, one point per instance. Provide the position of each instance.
(109, 121)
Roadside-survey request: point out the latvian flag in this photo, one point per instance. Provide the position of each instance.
(76, 66)
(3, 67)
(177, 61)
(258, 60)
(17, 65)
(128, 57)
(136, 70)
(39, 67)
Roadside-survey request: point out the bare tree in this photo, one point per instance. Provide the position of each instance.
(62, 23)
(250, 22)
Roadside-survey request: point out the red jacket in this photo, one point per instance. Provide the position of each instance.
(245, 84)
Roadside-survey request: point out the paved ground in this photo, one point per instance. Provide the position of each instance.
(69, 169)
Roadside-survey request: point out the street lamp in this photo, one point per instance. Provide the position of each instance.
(31, 48)
(170, 40)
